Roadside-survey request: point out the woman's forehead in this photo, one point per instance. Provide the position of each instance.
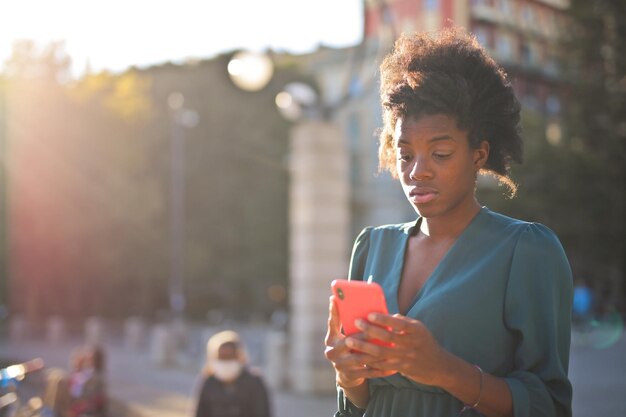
(428, 126)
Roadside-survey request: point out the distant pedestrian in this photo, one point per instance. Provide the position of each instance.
(230, 388)
(81, 392)
(582, 307)
(88, 386)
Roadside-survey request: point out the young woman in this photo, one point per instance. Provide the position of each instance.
(479, 302)
(229, 388)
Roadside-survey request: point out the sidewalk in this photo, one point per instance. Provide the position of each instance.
(140, 389)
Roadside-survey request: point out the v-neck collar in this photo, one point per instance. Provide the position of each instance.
(411, 230)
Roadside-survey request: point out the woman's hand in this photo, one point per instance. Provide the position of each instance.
(352, 368)
(414, 351)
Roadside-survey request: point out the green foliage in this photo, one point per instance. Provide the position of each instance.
(90, 189)
(578, 186)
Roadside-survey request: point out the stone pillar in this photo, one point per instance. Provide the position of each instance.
(274, 365)
(319, 228)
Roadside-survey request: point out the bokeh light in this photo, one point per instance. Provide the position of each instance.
(250, 71)
(599, 333)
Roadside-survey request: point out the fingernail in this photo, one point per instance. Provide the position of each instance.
(349, 342)
(359, 323)
(372, 316)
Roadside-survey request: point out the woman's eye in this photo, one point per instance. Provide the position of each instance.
(404, 157)
(441, 155)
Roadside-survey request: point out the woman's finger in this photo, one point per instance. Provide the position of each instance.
(374, 332)
(366, 347)
(334, 325)
(397, 323)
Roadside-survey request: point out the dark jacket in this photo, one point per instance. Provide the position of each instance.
(244, 397)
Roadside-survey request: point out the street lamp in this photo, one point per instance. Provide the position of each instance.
(250, 71)
(296, 99)
(181, 118)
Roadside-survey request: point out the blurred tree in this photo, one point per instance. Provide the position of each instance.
(35, 101)
(576, 184)
(4, 281)
(84, 205)
(90, 184)
(597, 50)
(236, 185)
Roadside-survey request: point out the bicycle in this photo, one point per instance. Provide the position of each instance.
(10, 401)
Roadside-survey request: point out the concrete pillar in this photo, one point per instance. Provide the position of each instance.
(275, 366)
(319, 227)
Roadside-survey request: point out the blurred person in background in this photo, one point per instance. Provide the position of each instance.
(88, 387)
(582, 307)
(63, 387)
(229, 387)
(81, 392)
(480, 303)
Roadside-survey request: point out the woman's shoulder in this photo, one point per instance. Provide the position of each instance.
(526, 233)
(391, 229)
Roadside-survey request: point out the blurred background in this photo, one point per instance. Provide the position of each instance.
(168, 169)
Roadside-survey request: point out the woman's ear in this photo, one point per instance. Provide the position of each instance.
(481, 154)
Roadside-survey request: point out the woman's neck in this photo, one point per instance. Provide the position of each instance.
(451, 225)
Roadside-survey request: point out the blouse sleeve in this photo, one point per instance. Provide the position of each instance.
(537, 310)
(356, 272)
(359, 255)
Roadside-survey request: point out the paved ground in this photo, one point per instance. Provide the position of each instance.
(142, 389)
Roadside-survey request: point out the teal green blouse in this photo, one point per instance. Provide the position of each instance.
(500, 298)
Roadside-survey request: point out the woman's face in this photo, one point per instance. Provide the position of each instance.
(436, 166)
(227, 352)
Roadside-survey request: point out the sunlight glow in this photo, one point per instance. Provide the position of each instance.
(117, 34)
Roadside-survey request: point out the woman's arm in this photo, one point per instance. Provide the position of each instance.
(489, 394)
(417, 355)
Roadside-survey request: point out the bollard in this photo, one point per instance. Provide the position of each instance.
(134, 333)
(55, 330)
(163, 346)
(94, 331)
(18, 329)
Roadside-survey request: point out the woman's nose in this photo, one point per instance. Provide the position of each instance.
(420, 170)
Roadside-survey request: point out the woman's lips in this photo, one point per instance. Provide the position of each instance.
(422, 196)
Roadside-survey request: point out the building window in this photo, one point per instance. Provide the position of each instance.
(506, 7)
(528, 16)
(431, 5)
(482, 35)
(504, 47)
(553, 105)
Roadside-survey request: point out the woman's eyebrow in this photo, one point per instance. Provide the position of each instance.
(441, 137)
(401, 141)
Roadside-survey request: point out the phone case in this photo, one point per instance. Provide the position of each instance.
(355, 300)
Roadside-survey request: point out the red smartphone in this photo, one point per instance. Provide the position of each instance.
(355, 300)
